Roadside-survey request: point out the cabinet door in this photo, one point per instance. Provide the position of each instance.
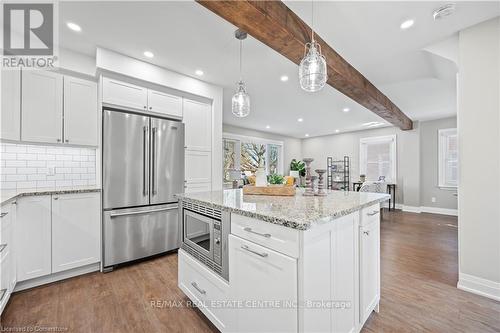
(124, 94)
(369, 268)
(75, 230)
(197, 187)
(166, 104)
(198, 171)
(11, 105)
(80, 111)
(198, 120)
(33, 237)
(42, 102)
(249, 266)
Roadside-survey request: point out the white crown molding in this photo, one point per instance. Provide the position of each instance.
(479, 286)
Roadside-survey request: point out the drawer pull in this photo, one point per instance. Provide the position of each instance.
(3, 292)
(2, 247)
(201, 291)
(263, 254)
(367, 233)
(375, 212)
(3, 214)
(248, 229)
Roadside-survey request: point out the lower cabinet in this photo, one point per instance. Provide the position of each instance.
(369, 268)
(258, 274)
(33, 237)
(75, 230)
(7, 253)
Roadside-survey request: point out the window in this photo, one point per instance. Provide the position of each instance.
(248, 153)
(377, 158)
(448, 157)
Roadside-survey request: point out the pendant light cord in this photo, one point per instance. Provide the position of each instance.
(312, 21)
(241, 59)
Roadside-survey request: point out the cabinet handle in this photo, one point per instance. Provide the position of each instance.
(3, 292)
(375, 212)
(247, 229)
(14, 203)
(367, 232)
(246, 248)
(56, 198)
(4, 214)
(145, 107)
(151, 108)
(58, 140)
(66, 140)
(2, 247)
(201, 291)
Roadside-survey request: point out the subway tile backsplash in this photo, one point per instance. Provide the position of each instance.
(35, 166)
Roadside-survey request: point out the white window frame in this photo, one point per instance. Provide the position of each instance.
(363, 142)
(442, 134)
(252, 139)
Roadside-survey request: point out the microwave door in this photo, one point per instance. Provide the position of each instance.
(198, 233)
(125, 159)
(167, 160)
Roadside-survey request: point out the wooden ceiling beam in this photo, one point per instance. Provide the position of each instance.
(275, 25)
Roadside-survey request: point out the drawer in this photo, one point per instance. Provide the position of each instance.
(273, 236)
(5, 279)
(205, 289)
(370, 214)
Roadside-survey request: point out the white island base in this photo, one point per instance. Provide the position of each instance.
(323, 279)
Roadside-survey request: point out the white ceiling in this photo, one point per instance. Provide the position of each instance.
(185, 37)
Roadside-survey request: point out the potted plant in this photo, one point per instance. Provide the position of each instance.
(297, 168)
(275, 179)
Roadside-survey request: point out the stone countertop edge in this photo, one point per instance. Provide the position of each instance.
(16, 194)
(284, 222)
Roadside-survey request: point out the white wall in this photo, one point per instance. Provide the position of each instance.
(408, 157)
(479, 149)
(291, 146)
(27, 166)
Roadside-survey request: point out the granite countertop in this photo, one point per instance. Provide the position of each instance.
(7, 196)
(297, 212)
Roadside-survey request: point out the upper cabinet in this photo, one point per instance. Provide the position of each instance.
(11, 105)
(124, 94)
(42, 104)
(198, 122)
(164, 103)
(56, 109)
(80, 112)
(131, 96)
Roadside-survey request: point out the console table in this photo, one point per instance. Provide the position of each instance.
(391, 189)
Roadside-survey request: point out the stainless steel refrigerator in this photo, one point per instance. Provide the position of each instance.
(143, 167)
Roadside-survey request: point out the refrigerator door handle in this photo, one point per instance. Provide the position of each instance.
(153, 158)
(144, 148)
(143, 212)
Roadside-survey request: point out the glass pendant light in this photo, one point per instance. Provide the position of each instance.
(312, 68)
(240, 101)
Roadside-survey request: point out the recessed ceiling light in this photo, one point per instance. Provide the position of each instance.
(268, 127)
(284, 78)
(346, 109)
(74, 26)
(300, 120)
(407, 24)
(149, 54)
(307, 135)
(199, 72)
(336, 131)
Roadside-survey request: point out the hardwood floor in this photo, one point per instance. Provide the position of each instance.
(419, 294)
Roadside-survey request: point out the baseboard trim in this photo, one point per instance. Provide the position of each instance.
(437, 210)
(411, 209)
(479, 286)
(23, 285)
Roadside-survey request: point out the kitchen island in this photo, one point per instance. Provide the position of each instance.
(281, 264)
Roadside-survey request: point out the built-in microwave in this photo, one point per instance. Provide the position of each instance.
(205, 234)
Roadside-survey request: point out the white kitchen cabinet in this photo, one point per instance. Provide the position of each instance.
(42, 103)
(197, 187)
(369, 267)
(198, 121)
(7, 253)
(33, 237)
(75, 230)
(124, 94)
(197, 167)
(80, 111)
(258, 273)
(160, 102)
(11, 105)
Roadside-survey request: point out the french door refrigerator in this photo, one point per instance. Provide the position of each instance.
(143, 167)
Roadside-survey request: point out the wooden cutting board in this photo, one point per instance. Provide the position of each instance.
(269, 190)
